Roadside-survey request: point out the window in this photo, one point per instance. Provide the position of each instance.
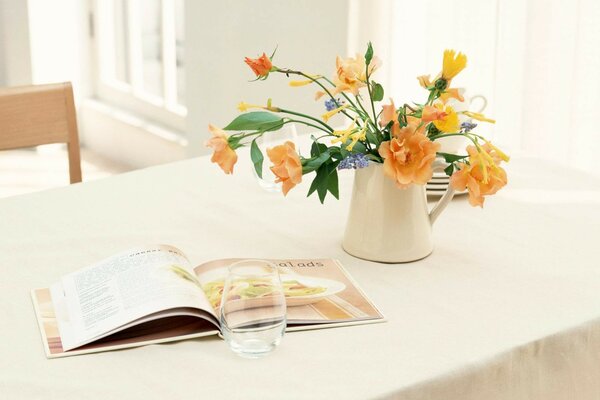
(139, 57)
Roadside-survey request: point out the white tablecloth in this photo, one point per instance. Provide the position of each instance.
(507, 306)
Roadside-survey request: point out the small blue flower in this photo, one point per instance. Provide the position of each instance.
(331, 104)
(354, 161)
(467, 126)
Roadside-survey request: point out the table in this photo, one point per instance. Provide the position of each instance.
(507, 306)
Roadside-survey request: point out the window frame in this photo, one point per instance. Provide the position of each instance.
(164, 110)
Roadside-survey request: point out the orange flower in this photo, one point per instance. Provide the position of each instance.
(351, 73)
(223, 155)
(389, 114)
(286, 165)
(424, 81)
(431, 113)
(414, 126)
(408, 158)
(482, 176)
(451, 94)
(260, 66)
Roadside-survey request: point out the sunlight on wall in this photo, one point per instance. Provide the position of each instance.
(536, 61)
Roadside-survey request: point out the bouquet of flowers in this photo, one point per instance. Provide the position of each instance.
(404, 139)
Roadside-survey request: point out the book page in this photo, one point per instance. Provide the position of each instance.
(318, 291)
(165, 329)
(99, 299)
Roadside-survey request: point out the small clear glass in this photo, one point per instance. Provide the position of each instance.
(269, 140)
(253, 308)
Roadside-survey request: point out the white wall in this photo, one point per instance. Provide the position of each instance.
(2, 52)
(15, 59)
(59, 40)
(309, 33)
(537, 61)
(410, 38)
(44, 41)
(53, 36)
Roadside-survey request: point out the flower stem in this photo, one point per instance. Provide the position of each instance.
(371, 99)
(288, 121)
(329, 128)
(468, 136)
(309, 124)
(316, 80)
(368, 118)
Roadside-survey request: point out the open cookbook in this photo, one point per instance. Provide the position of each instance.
(154, 294)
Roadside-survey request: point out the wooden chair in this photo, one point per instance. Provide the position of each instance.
(40, 114)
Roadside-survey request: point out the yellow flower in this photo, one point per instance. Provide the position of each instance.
(344, 135)
(243, 106)
(355, 137)
(448, 122)
(305, 82)
(496, 152)
(453, 63)
(479, 117)
(331, 113)
(300, 83)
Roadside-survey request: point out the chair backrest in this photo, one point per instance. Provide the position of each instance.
(40, 114)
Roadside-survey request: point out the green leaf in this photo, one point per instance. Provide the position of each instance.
(332, 184)
(314, 163)
(273, 54)
(343, 152)
(326, 180)
(449, 169)
(317, 148)
(329, 183)
(369, 54)
(450, 158)
(319, 178)
(372, 138)
(377, 91)
(257, 158)
(375, 158)
(256, 120)
(315, 183)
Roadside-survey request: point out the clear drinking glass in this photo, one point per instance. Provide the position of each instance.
(253, 309)
(269, 140)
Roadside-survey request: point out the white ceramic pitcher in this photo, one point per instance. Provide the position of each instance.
(388, 224)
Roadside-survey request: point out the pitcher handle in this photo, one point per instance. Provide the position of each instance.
(445, 199)
(483, 104)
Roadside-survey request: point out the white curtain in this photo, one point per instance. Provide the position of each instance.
(536, 61)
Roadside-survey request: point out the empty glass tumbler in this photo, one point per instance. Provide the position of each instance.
(253, 308)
